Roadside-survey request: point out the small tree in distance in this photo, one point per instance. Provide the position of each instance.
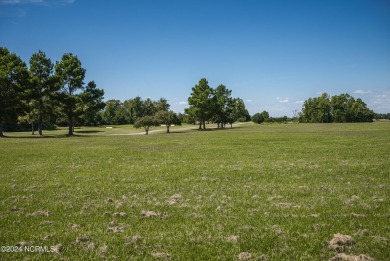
(146, 122)
(258, 118)
(167, 118)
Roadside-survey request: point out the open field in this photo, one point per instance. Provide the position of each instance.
(254, 192)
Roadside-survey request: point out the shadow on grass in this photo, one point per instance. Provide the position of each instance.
(88, 131)
(53, 136)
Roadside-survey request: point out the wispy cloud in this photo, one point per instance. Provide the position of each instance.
(20, 2)
(182, 103)
(361, 92)
(249, 101)
(283, 100)
(299, 102)
(37, 2)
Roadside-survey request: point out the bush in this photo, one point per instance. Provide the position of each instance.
(258, 118)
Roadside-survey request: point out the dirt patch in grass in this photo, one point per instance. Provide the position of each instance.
(58, 248)
(233, 239)
(150, 214)
(161, 255)
(345, 257)
(341, 242)
(244, 256)
(42, 213)
(174, 199)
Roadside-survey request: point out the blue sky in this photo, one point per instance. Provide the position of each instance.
(272, 54)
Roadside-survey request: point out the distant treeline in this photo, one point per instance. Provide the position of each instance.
(338, 108)
(45, 94)
(380, 116)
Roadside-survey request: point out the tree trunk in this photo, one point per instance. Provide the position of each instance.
(1, 129)
(167, 128)
(70, 129)
(204, 125)
(40, 125)
(231, 125)
(32, 128)
(200, 125)
(146, 132)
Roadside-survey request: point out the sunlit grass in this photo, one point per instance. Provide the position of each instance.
(268, 192)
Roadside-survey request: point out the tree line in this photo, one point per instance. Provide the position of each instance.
(338, 108)
(141, 113)
(46, 92)
(326, 109)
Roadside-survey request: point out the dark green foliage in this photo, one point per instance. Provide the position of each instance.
(223, 105)
(258, 118)
(201, 103)
(216, 105)
(339, 108)
(167, 118)
(41, 94)
(92, 98)
(13, 80)
(71, 76)
(379, 116)
(130, 110)
(146, 122)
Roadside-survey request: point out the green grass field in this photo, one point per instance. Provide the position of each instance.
(254, 192)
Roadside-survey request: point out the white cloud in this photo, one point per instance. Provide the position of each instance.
(299, 102)
(19, 2)
(182, 103)
(283, 100)
(40, 2)
(249, 101)
(361, 92)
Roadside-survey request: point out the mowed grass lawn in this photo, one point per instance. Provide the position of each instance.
(254, 192)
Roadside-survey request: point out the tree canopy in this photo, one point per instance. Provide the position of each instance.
(338, 108)
(215, 105)
(46, 93)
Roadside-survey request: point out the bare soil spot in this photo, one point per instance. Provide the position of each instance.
(174, 199)
(233, 239)
(150, 214)
(161, 255)
(42, 213)
(116, 229)
(345, 257)
(58, 248)
(244, 256)
(341, 242)
(119, 214)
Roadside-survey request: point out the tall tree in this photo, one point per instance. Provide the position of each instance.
(221, 101)
(236, 110)
(148, 107)
(13, 78)
(43, 87)
(30, 114)
(201, 104)
(92, 98)
(162, 105)
(112, 113)
(134, 108)
(71, 76)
